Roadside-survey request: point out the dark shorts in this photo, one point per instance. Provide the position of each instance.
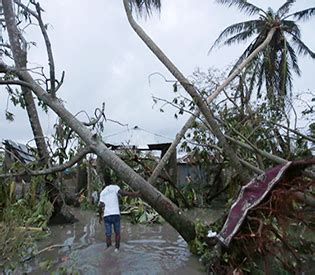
(109, 221)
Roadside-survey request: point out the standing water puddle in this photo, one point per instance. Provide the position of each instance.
(145, 249)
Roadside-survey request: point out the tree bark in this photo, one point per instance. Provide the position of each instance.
(82, 176)
(18, 46)
(19, 51)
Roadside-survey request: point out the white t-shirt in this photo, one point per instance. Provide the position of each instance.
(109, 196)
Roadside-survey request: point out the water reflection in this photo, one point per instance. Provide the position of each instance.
(145, 249)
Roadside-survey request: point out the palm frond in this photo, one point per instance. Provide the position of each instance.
(284, 79)
(256, 69)
(289, 83)
(294, 63)
(284, 74)
(240, 37)
(291, 27)
(269, 64)
(272, 59)
(145, 6)
(242, 5)
(234, 29)
(301, 47)
(260, 77)
(284, 9)
(303, 14)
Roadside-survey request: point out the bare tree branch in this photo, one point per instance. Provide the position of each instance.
(51, 62)
(97, 118)
(26, 8)
(53, 89)
(295, 132)
(59, 83)
(15, 82)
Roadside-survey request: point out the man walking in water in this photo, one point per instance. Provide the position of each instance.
(109, 211)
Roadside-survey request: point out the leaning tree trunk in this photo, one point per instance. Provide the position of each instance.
(193, 117)
(35, 124)
(203, 107)
(169, 211)
(18, 47)
(19, 51)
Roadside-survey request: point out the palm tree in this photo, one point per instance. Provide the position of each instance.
(274, 65)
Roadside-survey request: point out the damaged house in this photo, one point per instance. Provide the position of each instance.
(16, 152)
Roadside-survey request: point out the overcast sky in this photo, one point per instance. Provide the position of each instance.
(105, 61)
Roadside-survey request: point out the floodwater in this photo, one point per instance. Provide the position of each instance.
(145, 249)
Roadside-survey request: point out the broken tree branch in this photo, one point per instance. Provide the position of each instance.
(51, 62)
(53, 169)
(191, 120)
(14, 82)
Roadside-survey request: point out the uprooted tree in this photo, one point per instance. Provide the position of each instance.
(21, 76)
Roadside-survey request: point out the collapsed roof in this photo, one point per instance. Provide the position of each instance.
(19, 151)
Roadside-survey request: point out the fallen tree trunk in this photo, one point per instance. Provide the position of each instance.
(168, 210)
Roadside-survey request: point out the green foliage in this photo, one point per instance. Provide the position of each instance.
(16, 245)
(199, 247)
(139, 211)
(144, 215)
(16, 97)
(86, 205)
(23, 213)
(190, 193)
(45, 265)
(21, 225)
(254, 122)
(63, 137)
(43, 106)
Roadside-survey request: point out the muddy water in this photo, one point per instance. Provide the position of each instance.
(145, 249)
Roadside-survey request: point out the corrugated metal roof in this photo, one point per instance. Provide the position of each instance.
(21, 151)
